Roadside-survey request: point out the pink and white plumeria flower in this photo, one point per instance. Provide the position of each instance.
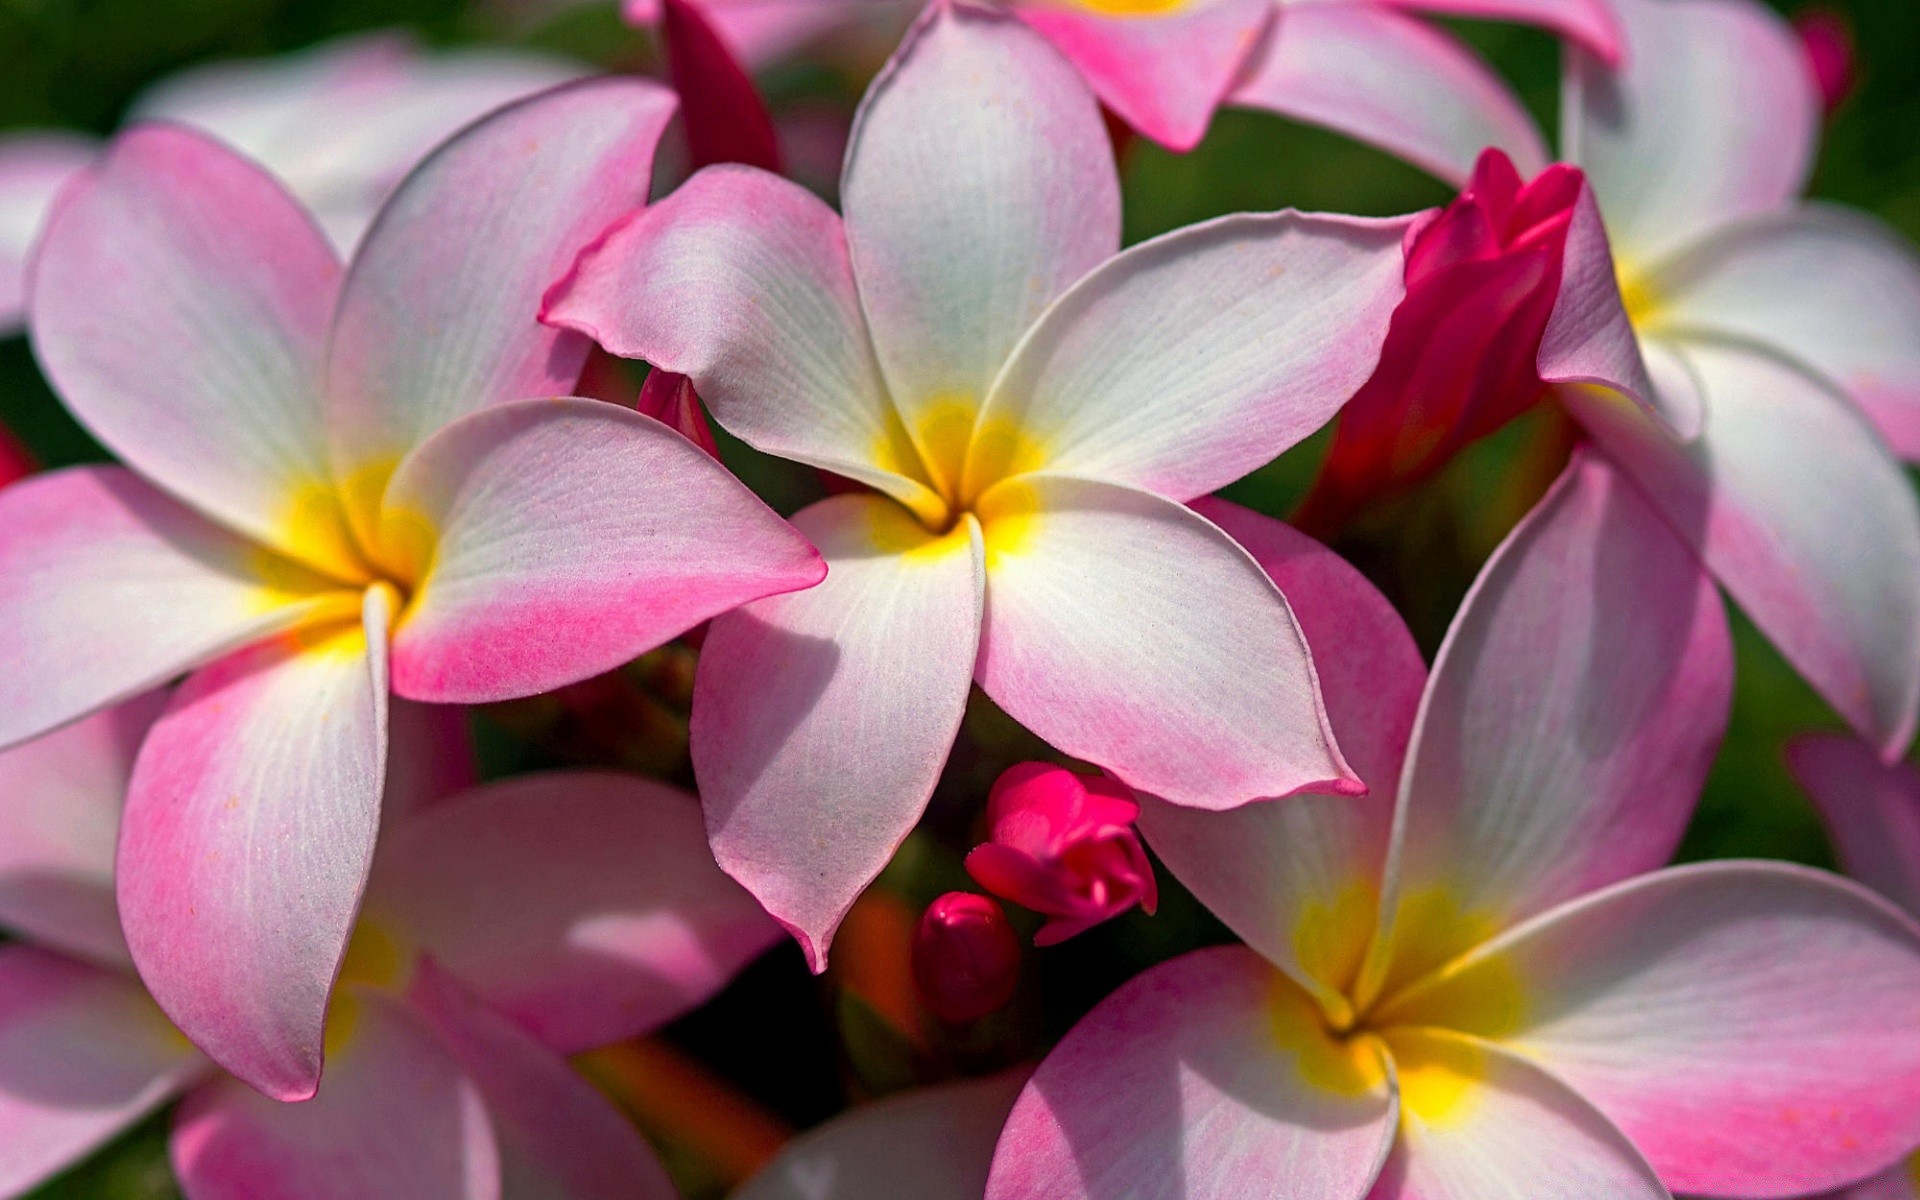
(1487, 989)
(336, 491)
(507, 927)
(1872, 812)
(1031, 411)
(339, 125)
(1719, 339)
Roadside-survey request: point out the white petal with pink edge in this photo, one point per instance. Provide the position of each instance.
(821, 719)
(1592, 23)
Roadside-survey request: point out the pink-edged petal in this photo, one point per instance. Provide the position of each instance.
(930, 1143)
(246, 843)
(1191, 359)
(584, 905)
(1590, 339)
(1836, 289)
(1713, 115)
(83, 1055)
(109, 588)
(1268, 870)
(1801, 513)
(563, 538)
(979, 184)
(741, 281)
(1164, 74)
(722, 113)
(1592, 23)
(439, 314)
(1393, 81)
(1209, 1077)
(1128, 631)
(1871, 809)
(180, 303)
(1574, 710)
(59, 818)
(821, 719)
(1477, 1123)
(559, 1139)
(398, 1119)
(1748, 1025)
(34, 166)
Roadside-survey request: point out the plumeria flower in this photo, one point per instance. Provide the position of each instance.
(339, 125)
(1063, 844)
(1486, 988)
(931, 1144)
(1872, 812)
(507, 927)
(1030, 411)
(336, 492)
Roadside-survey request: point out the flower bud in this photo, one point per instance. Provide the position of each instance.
(966, 959)
(1828, 40)
(1063, 844)
(15, 461)
(669, 399)
(1460, 355)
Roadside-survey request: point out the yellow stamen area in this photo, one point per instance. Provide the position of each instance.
(314, 530)
(1344, 1066)
(958, 458)
(1481, 994)
(1431, 927)
(894, 530)
(1009, 520)
(1134, 8)
(1330, 937)
(1439, 1078)
(375, 958)
(1641, 298)
(339, 541)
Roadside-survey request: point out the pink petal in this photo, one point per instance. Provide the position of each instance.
(1574, 710)
(979, 184)
(1801, 513)
(1871, 810)
(1748, 1025)
(83, 1055)
(398, 1119)
(34, 166)
(724, 117)
(437, 318)
(741, 281)
(1164, 75)
(584, 905)
(1398, 83)
(57, 831)
(109, 588)
(931, 1143)
(566, 537)
(1713, 115)
(1477, 1122)
(1592, 23)
(821, 719)
(180, 303)
(1268, 869)
(1189, 360)
(1209, 1077)
(248, 833)
(671, 400)
(1131, 633)
(558, 1137)
(1832, 287)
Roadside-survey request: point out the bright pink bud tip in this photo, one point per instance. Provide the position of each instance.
(15, 461)
(1063, 844)
(670, 399)
(1827, 37)
(1459, 359)
(966, 959)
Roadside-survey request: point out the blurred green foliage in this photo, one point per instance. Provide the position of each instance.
(78, 63)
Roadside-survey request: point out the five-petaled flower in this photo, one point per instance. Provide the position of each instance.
(337, 491)
(1031, 411)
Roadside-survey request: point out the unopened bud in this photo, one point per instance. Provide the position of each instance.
(966, 959)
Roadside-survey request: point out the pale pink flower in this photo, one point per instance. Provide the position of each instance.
(339, 125)
(1488, 987)
(337, 492)
(506, 928)
(1030, 410)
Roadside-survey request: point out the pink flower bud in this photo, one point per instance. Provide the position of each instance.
(1063, 844)
(1459, 359)
(15, 461)
(966, 959)
(670, 399)
(1827, 38)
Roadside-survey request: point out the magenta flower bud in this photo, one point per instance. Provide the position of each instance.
(1063, 844)
(669, 399)
(1828, 40)
(966, 959)
(1460, 355)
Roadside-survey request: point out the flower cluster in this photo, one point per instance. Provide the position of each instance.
(363, 330)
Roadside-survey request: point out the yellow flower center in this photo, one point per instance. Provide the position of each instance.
(966, 466)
